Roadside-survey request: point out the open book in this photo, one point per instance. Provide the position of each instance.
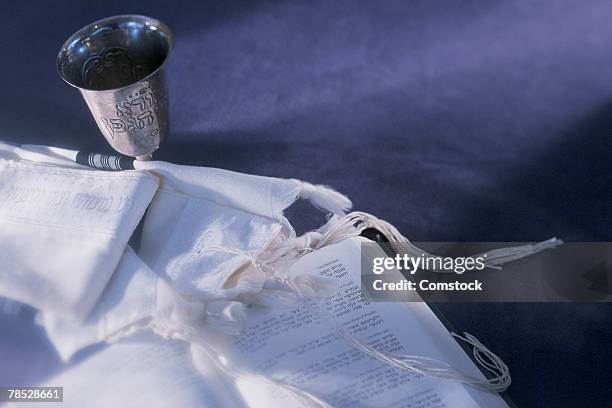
(291, 345)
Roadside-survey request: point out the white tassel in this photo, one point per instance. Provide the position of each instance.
(354, 223)
(490, 361)
(325, 198)
(426, 366)
(291, 290)
(497, 257)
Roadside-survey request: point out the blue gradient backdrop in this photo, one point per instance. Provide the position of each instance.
(454, 120)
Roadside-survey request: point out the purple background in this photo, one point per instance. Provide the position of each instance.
(454, 120)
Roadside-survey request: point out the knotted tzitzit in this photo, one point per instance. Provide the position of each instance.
(279, 287)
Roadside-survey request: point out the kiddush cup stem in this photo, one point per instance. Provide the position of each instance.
(118, 65)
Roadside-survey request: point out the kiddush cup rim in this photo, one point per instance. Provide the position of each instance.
(101, 25)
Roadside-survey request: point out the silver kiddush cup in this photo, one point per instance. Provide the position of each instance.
(118, 65)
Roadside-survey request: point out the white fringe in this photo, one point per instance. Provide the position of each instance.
(325, 198)
(435, 368)
(354, 223)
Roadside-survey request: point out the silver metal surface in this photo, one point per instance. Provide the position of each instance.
(118, 65)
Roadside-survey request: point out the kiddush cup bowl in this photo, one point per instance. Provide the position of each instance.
(118, 66)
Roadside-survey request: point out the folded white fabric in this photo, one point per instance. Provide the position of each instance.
(63, 230)
(206, 227)
(127, 304)
(197, 210)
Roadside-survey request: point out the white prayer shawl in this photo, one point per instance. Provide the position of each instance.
(126, 305)
(63, 231)
(195, 208)
(178, 227)
(214, 240)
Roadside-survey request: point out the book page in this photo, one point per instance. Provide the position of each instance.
(142, 371)
(296, 346)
